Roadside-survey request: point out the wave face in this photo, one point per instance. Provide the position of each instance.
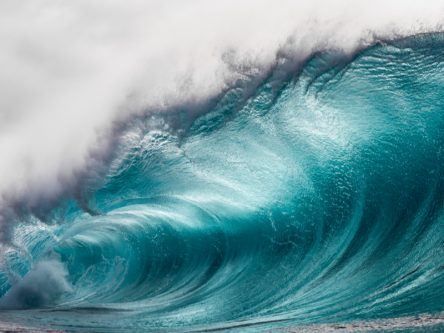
(317, 196)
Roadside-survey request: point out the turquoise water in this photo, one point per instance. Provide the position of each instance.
(315, 197)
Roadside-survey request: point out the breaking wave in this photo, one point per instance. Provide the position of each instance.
(314, 196)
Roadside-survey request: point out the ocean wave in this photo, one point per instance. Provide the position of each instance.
(315, 197)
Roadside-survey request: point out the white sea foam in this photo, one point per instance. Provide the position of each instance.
(42, 286)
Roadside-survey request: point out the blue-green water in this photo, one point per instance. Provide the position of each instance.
(315, 197)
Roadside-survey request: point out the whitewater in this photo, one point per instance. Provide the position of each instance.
(199, 165)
